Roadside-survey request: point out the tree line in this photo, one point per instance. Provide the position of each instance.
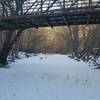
(81, 42)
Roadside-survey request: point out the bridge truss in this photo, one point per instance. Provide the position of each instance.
(15, 14)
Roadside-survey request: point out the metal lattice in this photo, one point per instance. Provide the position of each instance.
(15, 14)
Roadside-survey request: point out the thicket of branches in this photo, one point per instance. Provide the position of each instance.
(81, 42)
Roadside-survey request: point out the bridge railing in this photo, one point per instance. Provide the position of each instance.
(37, 7)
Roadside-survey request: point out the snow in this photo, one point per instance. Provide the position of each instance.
(49, 77)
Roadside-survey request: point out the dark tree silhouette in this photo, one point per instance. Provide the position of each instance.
(11, 37)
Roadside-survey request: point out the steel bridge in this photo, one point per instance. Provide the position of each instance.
(15, 14)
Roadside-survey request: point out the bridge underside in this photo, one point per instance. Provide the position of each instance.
(45, 20)
(75, 13)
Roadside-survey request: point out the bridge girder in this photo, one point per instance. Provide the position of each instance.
(12, 10)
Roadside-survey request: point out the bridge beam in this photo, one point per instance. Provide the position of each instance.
(42, 13)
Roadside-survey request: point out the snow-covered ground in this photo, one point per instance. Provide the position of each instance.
(49, 77)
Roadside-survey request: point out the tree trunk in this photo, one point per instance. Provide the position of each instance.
(3, 60)
(70, 40)
(75, 41)
(8, 44)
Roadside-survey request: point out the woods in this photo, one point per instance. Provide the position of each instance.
(79, 41)
(49, 49)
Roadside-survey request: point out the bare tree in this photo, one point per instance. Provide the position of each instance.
(11, 37)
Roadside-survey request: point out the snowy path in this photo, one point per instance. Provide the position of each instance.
(55, 77)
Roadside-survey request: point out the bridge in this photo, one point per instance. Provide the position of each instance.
(16, 14)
